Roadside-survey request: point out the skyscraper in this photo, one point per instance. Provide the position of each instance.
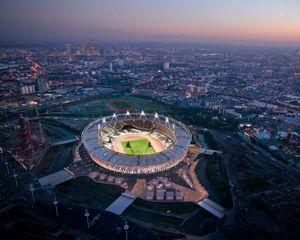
(166, 65)
(89, 49)
(42, 85)
(68, 49)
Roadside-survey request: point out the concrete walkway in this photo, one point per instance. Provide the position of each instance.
(207, 151)
(121, 203)
(64, 142)
(212, 207)
(56, 178)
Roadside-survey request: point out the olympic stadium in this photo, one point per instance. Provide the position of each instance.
(136, 143)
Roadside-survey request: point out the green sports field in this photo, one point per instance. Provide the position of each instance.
(121, 104)
(137, 147)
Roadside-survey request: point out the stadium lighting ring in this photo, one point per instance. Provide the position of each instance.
(98, 139)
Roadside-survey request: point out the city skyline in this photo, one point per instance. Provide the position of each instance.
(146, 120)
(241, 21)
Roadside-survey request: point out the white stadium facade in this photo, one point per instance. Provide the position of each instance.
(169, 138)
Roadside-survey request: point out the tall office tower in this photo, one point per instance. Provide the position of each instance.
(82, 48)
(42, 85)
(89, 49)
(111, 69)
(166, 65)
(3, 54)
(24, 90)
(87, 78)
(93, 49)
(68, 49)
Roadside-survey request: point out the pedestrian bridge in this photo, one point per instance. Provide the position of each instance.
(212, 207)
(64, 142)
(210, 151)
(121, 203)
(56, 178)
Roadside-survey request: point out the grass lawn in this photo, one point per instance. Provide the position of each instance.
(176, 208)
(121, 104)
(217, 176)
(201, 223)
(80, 194)
(108, 190)
(137, 147)
(153, 217)
(85, 191)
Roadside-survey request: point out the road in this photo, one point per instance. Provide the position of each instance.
(233, 147)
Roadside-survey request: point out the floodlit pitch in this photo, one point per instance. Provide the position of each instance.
(138, 147)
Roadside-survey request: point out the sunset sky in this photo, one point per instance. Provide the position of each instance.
(245, 20)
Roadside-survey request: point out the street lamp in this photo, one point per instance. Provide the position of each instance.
(1, 152)
(55, 202)
(31, 189)
(15, 177)
(86, 214)
(126, 227)
(7, 168)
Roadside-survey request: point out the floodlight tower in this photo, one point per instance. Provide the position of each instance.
(127, 115)
(114, 116)
(86, 214)
(55, 203)
(156, 117)
(126, 227)
(15, 177)
(167, 121)
(31, 189)
(143, 115)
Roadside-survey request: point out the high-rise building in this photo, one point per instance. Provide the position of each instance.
(111, 69)
(68, 49)
(89, 49)
(202, 89)
(166, 65)
(3, 54)
(42, 85)
(87, 78)
(24, 90)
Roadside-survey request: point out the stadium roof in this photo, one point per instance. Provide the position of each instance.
(179, 133)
